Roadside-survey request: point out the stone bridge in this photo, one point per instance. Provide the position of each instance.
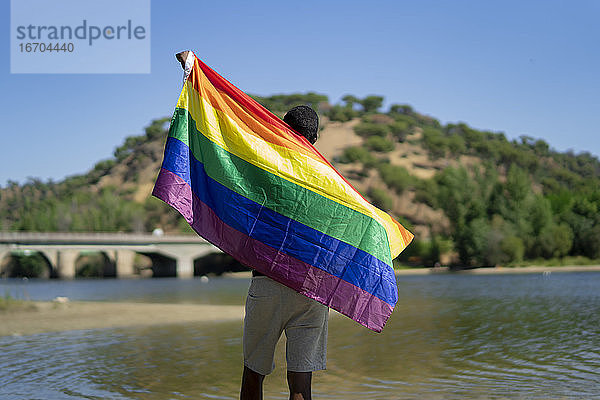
(176, 254)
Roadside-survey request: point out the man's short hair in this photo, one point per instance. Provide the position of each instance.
(305, 121)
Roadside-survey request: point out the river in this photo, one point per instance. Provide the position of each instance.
(450, 337)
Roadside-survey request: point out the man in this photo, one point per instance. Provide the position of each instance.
(272, 308)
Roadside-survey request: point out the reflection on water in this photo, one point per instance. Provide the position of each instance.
(154, 363)
(482, 337)
(450, 337)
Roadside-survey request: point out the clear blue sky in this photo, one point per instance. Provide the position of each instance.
(520, 67)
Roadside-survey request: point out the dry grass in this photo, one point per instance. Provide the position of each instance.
(10, 304)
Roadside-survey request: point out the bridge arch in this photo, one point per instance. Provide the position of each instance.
(162, 266)
(25, 264)
(94, 264)
(217, 263)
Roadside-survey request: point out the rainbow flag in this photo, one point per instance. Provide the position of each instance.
(250, 185)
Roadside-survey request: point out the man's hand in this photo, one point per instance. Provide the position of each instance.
(181, 57)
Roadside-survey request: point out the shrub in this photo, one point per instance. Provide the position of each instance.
(395, 177)
(425, 252)
(435, 142)
(590, 241)
(157, 128)
(411, 121)
(555, 240)
(381, 199)
(371, 129)
(426, 120)
(513, 248)
(401, 109)
(456, 144)
(377, 143)
(400, 130)
(415, 252)
(281, 103)
(427, 191)
(341, 114)
(104, 166)
(357, 154)
(371, 103)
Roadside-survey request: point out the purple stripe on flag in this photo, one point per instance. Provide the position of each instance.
(308, 280)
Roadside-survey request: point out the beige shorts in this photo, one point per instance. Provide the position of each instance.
(272, 308)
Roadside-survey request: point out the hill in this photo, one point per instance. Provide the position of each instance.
(471, 197)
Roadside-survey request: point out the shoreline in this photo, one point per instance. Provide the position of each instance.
(532, 269)
(46, 316)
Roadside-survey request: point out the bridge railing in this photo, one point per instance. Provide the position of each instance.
(96, 238)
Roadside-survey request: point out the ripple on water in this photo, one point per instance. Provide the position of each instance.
(450, 337)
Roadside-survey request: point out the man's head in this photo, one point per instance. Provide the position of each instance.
(305, 121)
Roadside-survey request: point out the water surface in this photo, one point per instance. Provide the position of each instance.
(450, 337)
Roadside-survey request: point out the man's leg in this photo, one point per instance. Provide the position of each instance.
(252, 385)
(299, 384)
(262, 329)
(306, 344)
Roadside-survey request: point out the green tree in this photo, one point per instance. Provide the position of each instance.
(513, 247)
(456, 196)
(456, 144)
(281, 103)
(426, 191)
(157, 129)
(435, 141)
(371, 103)
(400, 130)
(584, 220)
(350, 101)
(464, 198)
(555, 240)
(401, 109)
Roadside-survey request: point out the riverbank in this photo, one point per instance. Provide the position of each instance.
(532, 269)
(41, 317)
